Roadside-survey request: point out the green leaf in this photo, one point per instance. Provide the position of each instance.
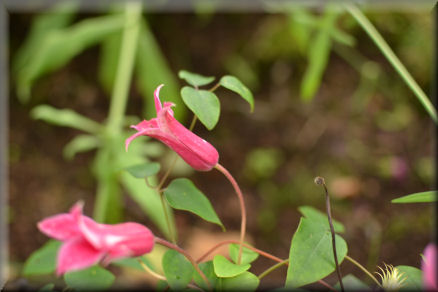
(204, 104)
(94, 278)
(311, 253)
(182, 194)
(61, 45)
(80, 143)
(414, 278)
(58, 17)
(133, 263)
(243, 282)
(423, 197)
(318, 56)
(177, 269)
(195, 79)
(47, 287)
(225, 269)
(352, 283)
(208, 270)
(248, 256)
(43, 260)
(152, 70)
(234, 84)
(144, 170)
(314, 214)
(65, 118)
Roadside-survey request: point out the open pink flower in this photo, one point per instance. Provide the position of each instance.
(428, 265)
(197, 152)
(86, 242)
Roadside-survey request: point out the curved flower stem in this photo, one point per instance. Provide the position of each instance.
(242, 207)
(189, 257)
(363, 269)
(393, 59)
(320, 181)
(260, 252)
(273, 268)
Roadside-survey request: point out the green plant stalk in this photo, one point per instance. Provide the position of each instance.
(363, 269)
(393, 59)
(273, 268)
(119, 95)
(125, 66)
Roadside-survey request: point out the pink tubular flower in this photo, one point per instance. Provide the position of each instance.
(428, 265)
(197, 152)
(86, 242)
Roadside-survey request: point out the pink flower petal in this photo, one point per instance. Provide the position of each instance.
(197, 152)
(60, 227)
(428, 265)
(120, 240)
(206, 155)
(76, 254)
(157, 98)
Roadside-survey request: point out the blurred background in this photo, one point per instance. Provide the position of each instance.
(327, 103)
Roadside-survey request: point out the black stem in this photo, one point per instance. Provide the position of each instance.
(320, 181)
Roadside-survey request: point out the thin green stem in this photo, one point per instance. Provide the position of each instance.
(192, 124)
(167, 217)
(188, 256)
(242, 207)
(393, 59)
(273, 268)
(363, 269)
(216, 86)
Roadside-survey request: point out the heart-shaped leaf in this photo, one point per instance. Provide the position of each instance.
(208, 270)
(243, 282)
(423, 197)
(43, 260)
(94, 278)
(248, 255)
(177, 269)
(225, 269)
(315, 214)
(204, 104)
(182, 194)
(144, 170)
(311, 253)
(234, 84)
(195, 79)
